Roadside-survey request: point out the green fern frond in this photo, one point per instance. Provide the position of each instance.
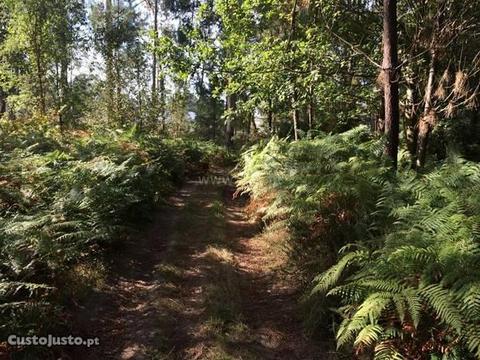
(329, 278)
(387, 351)
(443, 302)
(369, 335)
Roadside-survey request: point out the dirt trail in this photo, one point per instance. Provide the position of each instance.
(199, 285)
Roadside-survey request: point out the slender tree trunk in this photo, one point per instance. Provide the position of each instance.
(109, 71)
(311, 112)
(296, 116)
(154, 54)
(229, 130)
(270, 116)
(117, 68)
(428, 117)
(64, 91)
(214, 116)
(253, 125)
(379, 121)
(37, 49)
(118, 88)
(390, 79)
(140, 94)
(296, 113)
(411, 119)
(3, 102)
(41, 85)
(161, 87)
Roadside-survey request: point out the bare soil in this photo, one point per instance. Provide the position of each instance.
(201, 283)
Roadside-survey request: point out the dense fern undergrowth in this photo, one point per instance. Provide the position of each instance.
(65, 198)
(391, 261)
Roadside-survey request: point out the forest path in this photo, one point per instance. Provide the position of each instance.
(200, 284)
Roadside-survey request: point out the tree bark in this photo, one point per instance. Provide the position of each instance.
(214, 116)
(64, 91)
(296, 116)
(3, 103)
(41, 85)
(270, 116)
(37, 49)
(428, 118)
(161, 88)
(229, 130)
(154, 54)
(311, 113)
(117, 66)
(296, 113)
(252, 126)
(390, 79)
(411, 119)
(109, 71)
(379, 122)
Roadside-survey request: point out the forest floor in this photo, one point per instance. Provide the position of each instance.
(202, 283)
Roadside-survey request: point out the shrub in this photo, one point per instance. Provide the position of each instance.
(418, 295)
(323, 189)
(65, 203)
(397, 254)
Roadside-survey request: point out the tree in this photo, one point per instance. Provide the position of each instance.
(390, 78)
(108, 54)
(3, 34)
(39, 42)
(117, 30)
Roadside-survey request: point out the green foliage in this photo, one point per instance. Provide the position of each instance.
(405, 284)
(65, 197)
(324, 187)
(421, 286)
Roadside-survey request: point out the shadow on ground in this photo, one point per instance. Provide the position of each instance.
(199, 284)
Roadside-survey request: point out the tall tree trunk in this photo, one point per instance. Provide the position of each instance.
(411, 119)
(37, 49)
(118, 87)
(3, 102)
(270, 116)
(229, 130)
(296, 113)
(41, 85)
(311, 112)
(390, 78)
(379, 121)
(428, 118)
(161, 89)
(140, 93)
(117, 66)
(296, 117)
(252, 125)
(214, 116)
(64, 91)
(154, 54)
(110, 76)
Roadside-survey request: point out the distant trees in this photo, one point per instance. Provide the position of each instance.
(296, 68)
(441, 68)
(38, 46)
(326, 74)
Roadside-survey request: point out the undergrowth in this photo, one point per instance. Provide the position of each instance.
(392, 258)
(65, 198)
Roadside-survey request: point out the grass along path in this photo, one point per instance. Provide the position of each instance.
(200, 285)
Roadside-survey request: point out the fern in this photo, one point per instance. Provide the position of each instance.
(410, 283)
(421, 267)
(65, 199)
(330, 278)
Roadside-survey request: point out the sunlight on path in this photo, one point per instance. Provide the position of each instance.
(199, 285)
